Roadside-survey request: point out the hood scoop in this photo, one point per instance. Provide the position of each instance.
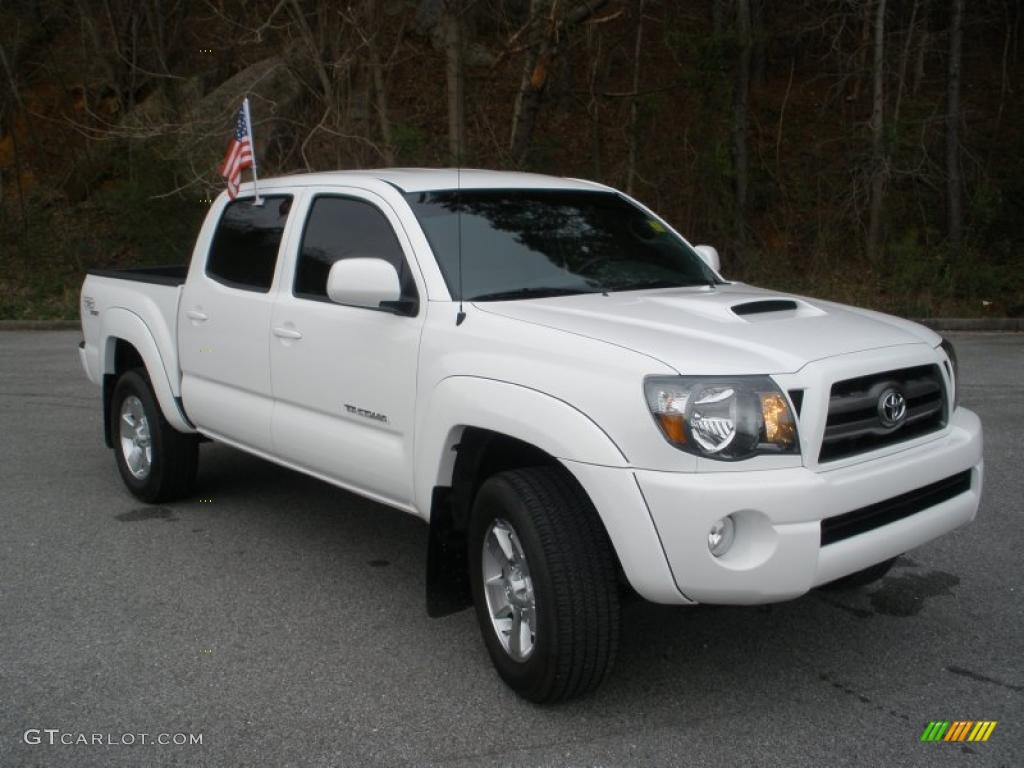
(774, 309)
(764, 305)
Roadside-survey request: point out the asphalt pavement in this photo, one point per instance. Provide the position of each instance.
(282, 621)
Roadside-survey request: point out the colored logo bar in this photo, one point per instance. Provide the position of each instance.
(958, 730)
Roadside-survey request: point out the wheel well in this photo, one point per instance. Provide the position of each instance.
(126, 358)
(480, 453)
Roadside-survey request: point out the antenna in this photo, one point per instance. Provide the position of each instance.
(458, 223)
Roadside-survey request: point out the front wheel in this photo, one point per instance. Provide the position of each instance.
(544, 583)
(156, 462)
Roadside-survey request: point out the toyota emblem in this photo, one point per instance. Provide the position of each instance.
(892, 408)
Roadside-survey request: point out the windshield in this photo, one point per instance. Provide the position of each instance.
(525, 243)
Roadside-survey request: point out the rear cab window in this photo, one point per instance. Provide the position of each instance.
(244, 250)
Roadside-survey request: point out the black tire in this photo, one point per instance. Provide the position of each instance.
(572, 566)
(869, 575)
(175, 456)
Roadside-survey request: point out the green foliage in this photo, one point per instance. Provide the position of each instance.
(151, 227)
(409, 141)
(45, 257)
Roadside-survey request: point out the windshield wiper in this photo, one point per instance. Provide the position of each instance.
(529, 293)
(653, 284)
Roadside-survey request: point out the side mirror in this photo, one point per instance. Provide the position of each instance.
(709, 254)
(363, 282)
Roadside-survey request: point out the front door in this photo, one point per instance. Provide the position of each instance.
(344, 378)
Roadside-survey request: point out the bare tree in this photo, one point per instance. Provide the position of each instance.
(634, 107)
(9, 106)
(548, 33)
(862, 50)
(454, 47)
(759, 56)
(534, 78)
(718, 11)
(739, 124)
(879, 161)
(372, 40)
(954, 208)
(923, 45)
(901, 80)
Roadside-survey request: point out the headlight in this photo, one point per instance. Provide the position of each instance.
(954, 371)
(722, 418)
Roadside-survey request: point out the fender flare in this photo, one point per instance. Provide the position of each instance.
(542, 420)
(563, 432)
(119, 323)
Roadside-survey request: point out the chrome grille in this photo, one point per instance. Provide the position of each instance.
(855, 423)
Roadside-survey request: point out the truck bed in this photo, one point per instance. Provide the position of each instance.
(140, 306)
(163, 275)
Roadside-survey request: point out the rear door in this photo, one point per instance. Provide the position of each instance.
(224, 323)
(344, 377)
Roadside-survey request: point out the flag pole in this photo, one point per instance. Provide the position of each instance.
(252, 145)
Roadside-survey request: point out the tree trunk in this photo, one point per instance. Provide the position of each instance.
(538, 66)
(954, 208)
(879, 161)
(634, 110)
(862, 51)
(453, 45)
(380, 82)
(922, 54)
(759, 61)
(13, 109)
(901, 80)
(718, 17)
(598, 75)
(739, 125)
(534, 78)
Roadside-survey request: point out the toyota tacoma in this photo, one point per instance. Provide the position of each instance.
(569, 394)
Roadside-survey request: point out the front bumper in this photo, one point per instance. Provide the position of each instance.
(778, 552)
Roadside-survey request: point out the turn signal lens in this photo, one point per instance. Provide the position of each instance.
(778, 419)
(673, 425)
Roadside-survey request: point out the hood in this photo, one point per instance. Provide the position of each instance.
(727, 330)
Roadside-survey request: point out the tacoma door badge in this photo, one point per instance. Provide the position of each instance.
(382, 418)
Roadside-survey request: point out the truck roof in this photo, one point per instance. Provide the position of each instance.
(424, 179)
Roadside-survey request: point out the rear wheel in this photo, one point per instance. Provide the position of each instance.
(544, 583)
(156, 462)
(858, 579)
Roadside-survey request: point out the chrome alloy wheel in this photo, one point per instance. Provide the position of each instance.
(136, 446)
(509, 590)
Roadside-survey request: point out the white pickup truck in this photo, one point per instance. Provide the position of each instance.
(551, 377)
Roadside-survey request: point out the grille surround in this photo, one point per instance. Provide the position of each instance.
(853, 425)
(873, 516)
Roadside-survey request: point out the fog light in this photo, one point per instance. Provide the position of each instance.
(721, 535)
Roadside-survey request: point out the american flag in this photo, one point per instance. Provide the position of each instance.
(239, 154)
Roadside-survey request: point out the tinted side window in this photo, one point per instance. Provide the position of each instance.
(244, 248)
(342, 228)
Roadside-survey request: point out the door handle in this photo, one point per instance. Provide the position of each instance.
(195, 314)
(287, 333)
